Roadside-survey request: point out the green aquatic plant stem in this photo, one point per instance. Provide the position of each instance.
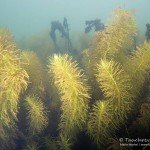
(114, 82)
(138, 66)
(37, 116)
(13, 80)
(36, 72)
(73, 90)
(101, 124)
(64, 143)
(115, 41)
(107, 115)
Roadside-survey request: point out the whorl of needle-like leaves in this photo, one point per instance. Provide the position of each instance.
(73, 89)
(144, 119)
(37, 116)
(50, 143)
(138, 66)
(34, 68)
(32, 146)
(88, 68)
(102, 123)
(107, 115)
(118, 36)
(114, 82)
(116, 40)
(64, 143)
(13, 79)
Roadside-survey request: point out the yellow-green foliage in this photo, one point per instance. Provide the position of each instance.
(37, 116)
(51, 144)
(102, 123)
(32, 146)
(118, 36)
(73, 90)
(114, 82)
(110, 49)
(34, 68)
(144, 119)
(116, 72)
(88, 68)
(64, 143)
(108, 115)
(116, 40)
(139, 65)
(13, 79)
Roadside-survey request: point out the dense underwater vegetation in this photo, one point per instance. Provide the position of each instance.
(87, 99)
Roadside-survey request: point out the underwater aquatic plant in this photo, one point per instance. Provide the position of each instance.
(101, 124)
(73, 90)
(144, 119)
(13, 80)
(119, 35)
(111, 50)
(108, 115)
(37, 116)
(51, 144)
(35, 70)
(114, 82)
(64, 143)
(112, 71)
(32, 146)
(138, 66)
(88, 68)
(115, 41)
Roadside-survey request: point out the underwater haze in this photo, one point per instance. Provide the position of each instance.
(26, 17)
(74, 75)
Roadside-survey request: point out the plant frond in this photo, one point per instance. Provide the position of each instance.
(32, 146)
(102, 123)
(115, 40)
(64, 143)
(34, 68)
(138, 66)
(37, 116)
(73, 89)
(144, 119)
(13, 80)
(51, 144)
(114, 82)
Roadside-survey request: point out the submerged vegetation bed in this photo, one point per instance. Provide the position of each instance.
(86, 101)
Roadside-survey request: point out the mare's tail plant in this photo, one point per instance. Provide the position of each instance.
(13, 80)
(101, 124)
(114, 42)
(109, 114)
(120, 73)
(115, 84)
(64, 143)
(73, 90)
(138, 66)
(34, 68)
(37, 116)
